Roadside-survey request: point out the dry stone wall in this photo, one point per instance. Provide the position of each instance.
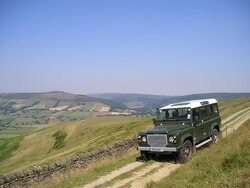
(44, 173)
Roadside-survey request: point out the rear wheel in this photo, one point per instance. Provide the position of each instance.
(186, 151)
(215, 136)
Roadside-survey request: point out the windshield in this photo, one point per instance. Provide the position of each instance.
(174, 114)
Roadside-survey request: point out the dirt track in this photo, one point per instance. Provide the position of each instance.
(158, 170)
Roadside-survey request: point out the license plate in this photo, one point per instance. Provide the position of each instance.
(156, 149)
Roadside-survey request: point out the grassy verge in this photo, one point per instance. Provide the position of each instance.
(228, 107)
(226, 164)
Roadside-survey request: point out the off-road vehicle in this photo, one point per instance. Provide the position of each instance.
(180, 128)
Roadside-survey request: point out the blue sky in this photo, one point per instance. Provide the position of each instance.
(138, 46)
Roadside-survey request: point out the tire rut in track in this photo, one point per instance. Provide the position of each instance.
(113, 174)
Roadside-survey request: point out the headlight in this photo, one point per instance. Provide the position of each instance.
(144, 139)
(139, 139)
(172, 139)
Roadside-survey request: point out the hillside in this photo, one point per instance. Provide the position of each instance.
(132, 100)
(63, 139)
(23, 111)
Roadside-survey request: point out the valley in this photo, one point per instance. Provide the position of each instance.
(59, 140)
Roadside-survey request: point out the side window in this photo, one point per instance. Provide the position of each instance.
(170, 113)
(196, 115)
(204, 112)
(216, 109)
(183, 112)
(161, 114)
(213, 109)
(208, 110)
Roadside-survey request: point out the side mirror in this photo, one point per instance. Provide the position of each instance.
(154, 120)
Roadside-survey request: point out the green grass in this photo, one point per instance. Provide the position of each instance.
(76, 116)
(9, 133)
(8, 145)
(82, 136)
(228, 107)
(226, 164)
(59, 139)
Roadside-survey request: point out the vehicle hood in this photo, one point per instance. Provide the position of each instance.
(165, 129)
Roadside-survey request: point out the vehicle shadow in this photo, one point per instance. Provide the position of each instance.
(170, 158)
(162, 158)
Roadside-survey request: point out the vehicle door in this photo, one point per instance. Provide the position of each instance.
(205, 121)
(198, 125)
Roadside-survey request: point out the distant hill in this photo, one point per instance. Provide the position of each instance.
(151, 102)
(132, 100)
(19, 109)
(20, 112)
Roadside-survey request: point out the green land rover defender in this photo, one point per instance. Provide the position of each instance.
(181, 128)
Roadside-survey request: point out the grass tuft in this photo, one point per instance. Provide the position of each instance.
(59, 139)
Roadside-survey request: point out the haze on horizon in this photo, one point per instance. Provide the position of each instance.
(153, 47)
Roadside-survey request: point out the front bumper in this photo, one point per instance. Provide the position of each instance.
(158, 149)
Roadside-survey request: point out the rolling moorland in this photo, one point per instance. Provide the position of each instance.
(148, 103)
(200, 170)
(21, 112)
(61, 139)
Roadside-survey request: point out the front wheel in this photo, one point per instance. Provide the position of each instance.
(145, 156)
(186, 151)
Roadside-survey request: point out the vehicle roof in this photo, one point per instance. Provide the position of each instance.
(190, 104)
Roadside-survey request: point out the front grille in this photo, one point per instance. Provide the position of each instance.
(157, 140)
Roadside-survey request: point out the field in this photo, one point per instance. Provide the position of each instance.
(61, 139)
(82, 136)
(22, 112)
(228, 107)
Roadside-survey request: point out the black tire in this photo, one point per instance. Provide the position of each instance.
(215, 135)
(186, 152)
(145, 156)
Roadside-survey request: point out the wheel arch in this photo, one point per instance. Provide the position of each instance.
(187, 137)
(216, 126)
